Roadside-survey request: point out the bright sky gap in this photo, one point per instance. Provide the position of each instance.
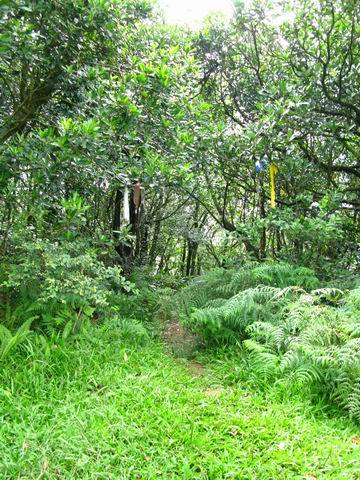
(193, 12)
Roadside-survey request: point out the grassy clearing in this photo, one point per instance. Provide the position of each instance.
(102, 408)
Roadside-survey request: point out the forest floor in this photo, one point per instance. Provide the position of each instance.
(102, 408)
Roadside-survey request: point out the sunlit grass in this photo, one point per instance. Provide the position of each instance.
(103, 408)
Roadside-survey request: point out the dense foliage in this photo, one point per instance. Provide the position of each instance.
(290, 331)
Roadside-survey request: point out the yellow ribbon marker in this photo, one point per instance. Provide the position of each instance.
(273, 171)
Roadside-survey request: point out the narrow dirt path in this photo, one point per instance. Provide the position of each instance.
(182, 344)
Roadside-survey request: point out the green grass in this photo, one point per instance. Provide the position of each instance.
(103, 408)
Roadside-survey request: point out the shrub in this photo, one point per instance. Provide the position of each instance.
(61, 286)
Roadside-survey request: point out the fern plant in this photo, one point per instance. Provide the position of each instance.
(312, 343)
(293, 331)
(275, 274)
(217, 286)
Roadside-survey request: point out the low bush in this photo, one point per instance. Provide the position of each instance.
(59, 286)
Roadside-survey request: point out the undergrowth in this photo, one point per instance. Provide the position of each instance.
(55, 288)
(104, 406)
(291, 331)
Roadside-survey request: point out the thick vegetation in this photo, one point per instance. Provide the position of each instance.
(290, 332)
(152, 175)
(102, 407)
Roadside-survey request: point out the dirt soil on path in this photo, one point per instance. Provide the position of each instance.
(183, 344)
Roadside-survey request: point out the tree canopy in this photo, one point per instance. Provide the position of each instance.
(99, 95)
